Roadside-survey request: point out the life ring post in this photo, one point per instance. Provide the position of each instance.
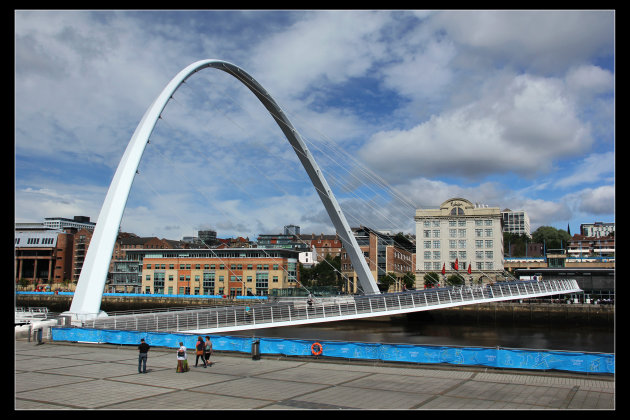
(317, 349)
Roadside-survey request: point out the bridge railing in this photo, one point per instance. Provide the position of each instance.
(266, 314)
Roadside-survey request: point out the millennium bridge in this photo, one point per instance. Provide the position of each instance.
(85, 308)
(296, 311)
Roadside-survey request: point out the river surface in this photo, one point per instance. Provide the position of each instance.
(598, 339)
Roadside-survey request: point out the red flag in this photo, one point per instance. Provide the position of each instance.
(469, 269)
(443, 268)
(456, 264)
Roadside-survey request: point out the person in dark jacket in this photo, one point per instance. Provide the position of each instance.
(199, 347)
(143, 352)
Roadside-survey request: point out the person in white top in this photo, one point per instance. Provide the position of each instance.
(182, 362)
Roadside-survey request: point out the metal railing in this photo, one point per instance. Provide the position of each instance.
(275, 314)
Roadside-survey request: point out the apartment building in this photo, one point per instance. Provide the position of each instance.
(589, 247)
(597, 229)
(516, 222)
(457, 235)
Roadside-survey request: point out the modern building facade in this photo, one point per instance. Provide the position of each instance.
(457, 235)
(230, 271)
(77, 222)
(290, 239)
(597, 229)
(516, 222)
(43, 258)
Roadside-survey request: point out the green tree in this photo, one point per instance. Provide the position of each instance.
(518, 242)
(552, 238)
(454, 280)
(327, 272)
(409, 280)
(386, 281)
(431, 279)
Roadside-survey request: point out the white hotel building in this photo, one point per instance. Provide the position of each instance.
(463, 232)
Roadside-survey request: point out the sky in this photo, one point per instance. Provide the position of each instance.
(402, 109)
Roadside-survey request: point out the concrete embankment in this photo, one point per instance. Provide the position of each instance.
(557, 313)
(484, 312)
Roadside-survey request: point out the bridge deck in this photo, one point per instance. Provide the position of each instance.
(279, 314)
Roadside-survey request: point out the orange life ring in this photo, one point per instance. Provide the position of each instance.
(317, 349)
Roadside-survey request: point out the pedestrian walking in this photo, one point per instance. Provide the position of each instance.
(143, 352)
(208, 350)
(199, 347)
(182, 361)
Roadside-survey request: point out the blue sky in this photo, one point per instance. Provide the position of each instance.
(511, 109)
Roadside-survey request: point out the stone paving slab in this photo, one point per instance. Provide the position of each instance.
(79, 376)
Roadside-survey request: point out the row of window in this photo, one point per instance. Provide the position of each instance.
(461, 244)
(456, 233)
(453, 223)
(461, 255)
(36, 241)
(205, 291)
(479, 265)
(209, 278)
(213, 266)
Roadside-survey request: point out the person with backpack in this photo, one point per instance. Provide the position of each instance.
(200, 346)
(182, 361)
(208, 350)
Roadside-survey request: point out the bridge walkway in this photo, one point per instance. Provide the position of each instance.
(338, 308)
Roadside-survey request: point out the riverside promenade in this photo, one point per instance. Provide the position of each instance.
(81, 376)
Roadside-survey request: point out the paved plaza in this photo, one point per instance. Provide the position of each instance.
(75, 376)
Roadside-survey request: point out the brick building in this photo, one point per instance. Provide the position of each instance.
(230, 271)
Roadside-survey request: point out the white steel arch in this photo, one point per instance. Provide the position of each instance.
(89, 291)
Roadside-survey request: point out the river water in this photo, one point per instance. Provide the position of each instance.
(598, 339)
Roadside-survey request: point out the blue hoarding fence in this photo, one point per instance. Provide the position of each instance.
(409, 353)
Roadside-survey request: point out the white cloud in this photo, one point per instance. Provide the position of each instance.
(423, 74)
(520, 127)
(470, 102)
(324, 47)
(600, 200)
(545, 212)
(589, 79)
(593, 169)
(546, 40)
